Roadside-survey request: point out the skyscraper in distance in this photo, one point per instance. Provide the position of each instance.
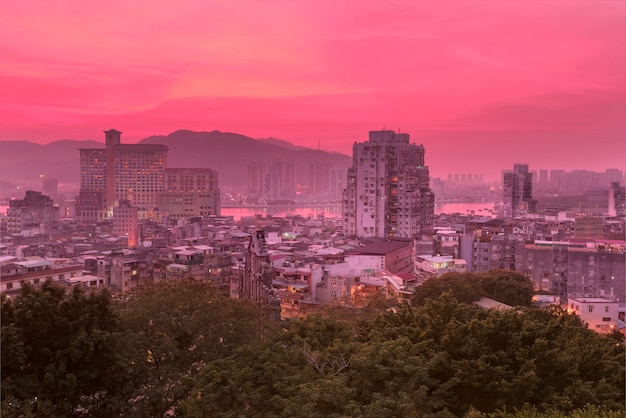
(517, 192)
(388, 191)
(132, 172)
(319, 177)
(617, 199)
(137, 174)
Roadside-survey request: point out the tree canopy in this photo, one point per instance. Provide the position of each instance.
(57, 348)
(504, 286)
(186, 350)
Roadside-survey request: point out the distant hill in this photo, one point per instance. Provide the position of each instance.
(282, 143)
(22, 162)
(228, 153)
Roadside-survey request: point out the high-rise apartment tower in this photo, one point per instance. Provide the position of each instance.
(388, 192)
(617, 199)
(517, 192)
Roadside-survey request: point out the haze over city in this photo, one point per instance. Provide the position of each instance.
(482, 84)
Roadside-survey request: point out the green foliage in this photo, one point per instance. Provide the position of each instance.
(507, 287)
(56, 350)
(504, 286)
(463, 286)
(442, 359)
(184, 350)
(170, 331)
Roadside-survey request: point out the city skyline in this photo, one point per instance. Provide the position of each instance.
(482, 85)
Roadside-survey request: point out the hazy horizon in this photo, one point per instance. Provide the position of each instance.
(481, 84)
(439, 170)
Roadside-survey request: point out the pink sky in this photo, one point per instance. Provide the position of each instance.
(481, 83)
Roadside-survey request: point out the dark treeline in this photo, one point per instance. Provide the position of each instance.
(185, 350)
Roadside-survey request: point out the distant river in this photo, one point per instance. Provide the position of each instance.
(334, 211)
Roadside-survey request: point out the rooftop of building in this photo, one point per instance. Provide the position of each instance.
(435, 258)
(582, 299)
(487, 303)
(140, 147)
(381, 247)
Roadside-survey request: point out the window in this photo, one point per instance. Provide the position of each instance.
(590, 308)
(605, 319)
(606, 309)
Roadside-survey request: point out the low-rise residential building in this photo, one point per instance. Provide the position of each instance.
(296, 284)
(34, 211)
(600, 314)
(427, 266)
(126, 274)
(395, 256)
(36, 270)
(87, 281)
(337, 289)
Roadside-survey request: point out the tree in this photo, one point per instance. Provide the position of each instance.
(507, 287)
(170, 332)
(443, 358)
(463, 287)
(57, 348)
(504, 286)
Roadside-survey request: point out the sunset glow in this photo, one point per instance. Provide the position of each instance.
(487, 77)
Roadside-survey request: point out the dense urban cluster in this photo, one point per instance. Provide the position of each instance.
(138, 227)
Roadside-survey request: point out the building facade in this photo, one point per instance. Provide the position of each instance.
(319, 177)
(599, 314)
(257, 180)
(255, 279)
(189, 192)
(132, 172)
(517, 192)
(35, 210)
(281, 180)
(337, 181)
(125, 222)
(617, 199)
(387, 193)
(394, 256)
(138, 174)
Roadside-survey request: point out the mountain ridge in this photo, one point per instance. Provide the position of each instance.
(226, 152)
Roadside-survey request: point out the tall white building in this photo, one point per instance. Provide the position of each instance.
(387, 193)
